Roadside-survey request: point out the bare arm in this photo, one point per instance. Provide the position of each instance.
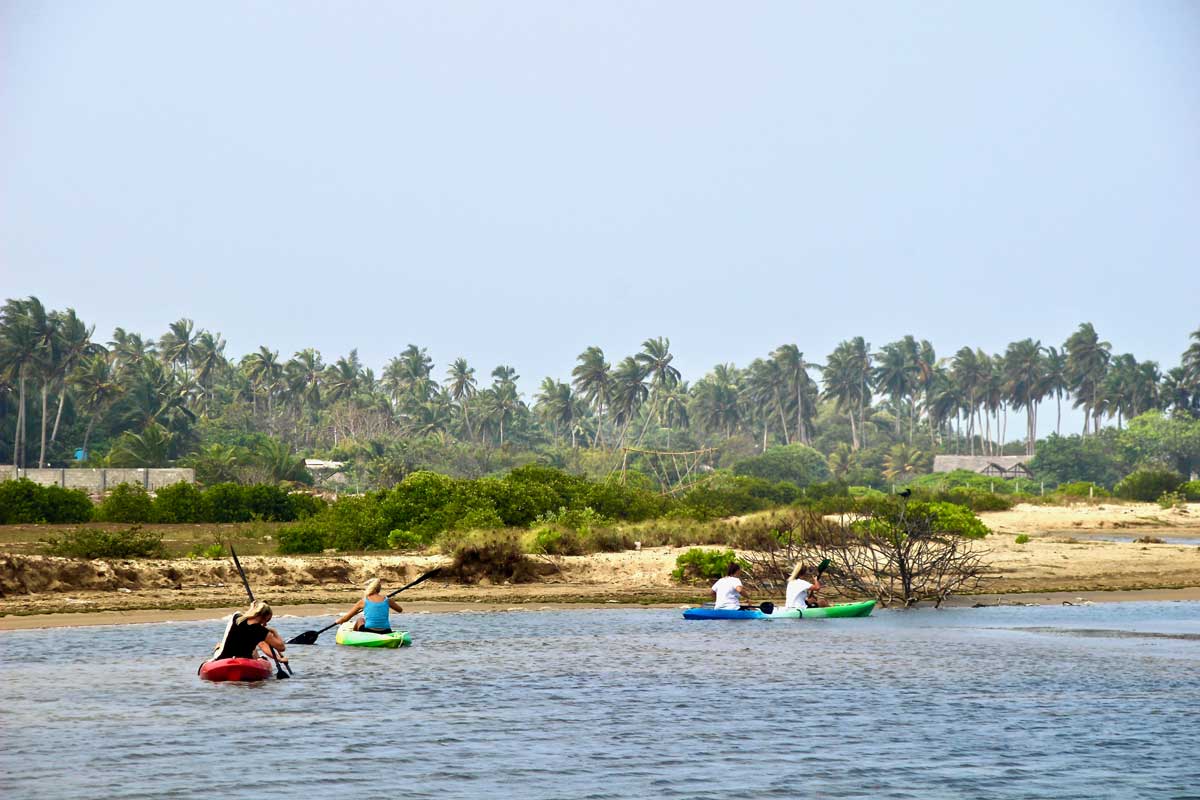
(349, 615)
(273, 644)
(392, 604)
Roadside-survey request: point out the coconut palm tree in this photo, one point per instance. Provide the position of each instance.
(209, 359)
(95, 384)
(1056, 381)
(971, 377)
(305, 378)
(460, 382)
(177, 345)
(655, 360)
(19, 343)
(1025, 383)
(558, 407)
(629, 393)
(897, 374)
(265, 374)
(847, 374)
(800, 388)
(593, 381)
(75, 344)
(716, 402)
(1087, 365)
(904, 461)
(343, 378)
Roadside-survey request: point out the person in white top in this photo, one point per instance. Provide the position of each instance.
(728, 591)
(801, 593)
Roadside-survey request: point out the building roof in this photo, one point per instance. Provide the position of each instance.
(979, 463)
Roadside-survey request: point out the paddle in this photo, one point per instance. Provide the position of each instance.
(767, 607)
(280, 674)
(310, 637)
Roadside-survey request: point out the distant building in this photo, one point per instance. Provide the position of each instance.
(996, 466)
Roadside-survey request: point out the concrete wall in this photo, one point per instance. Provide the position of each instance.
(98, 481)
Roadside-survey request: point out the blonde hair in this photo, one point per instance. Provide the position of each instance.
(800, 569)
(259, 608)
(372, 587)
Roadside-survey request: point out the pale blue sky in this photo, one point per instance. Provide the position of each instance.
(513, 182)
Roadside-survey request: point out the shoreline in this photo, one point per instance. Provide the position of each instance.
(75, 619)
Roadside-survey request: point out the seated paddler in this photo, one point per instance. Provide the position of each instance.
(375, 609)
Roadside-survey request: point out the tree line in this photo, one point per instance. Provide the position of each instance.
(150, 401)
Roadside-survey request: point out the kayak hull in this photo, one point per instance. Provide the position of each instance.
(839, 611)
(235, 669)
(349, 637)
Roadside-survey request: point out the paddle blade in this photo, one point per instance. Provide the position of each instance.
(308, 637)
(824, 565)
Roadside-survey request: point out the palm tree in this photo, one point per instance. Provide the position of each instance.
(655, 360)
(305, 374)
(841, 461)
(129, 349)
(971, 377)
(802, 388)
(265, 373)
(1025, 383)
(178, 344)
(209, 355)
(1055, 371)
(593, 381)
(765, 386)
(847, 371)
(150, 448)
(460, 382)
(716, 400)
(343, 378)
(1190, 362)
(1087, 364)
(95, 383)
(18, 354)
(629, 392)
(897, 374)
(75, 344)
(904, 461)
(557, 405)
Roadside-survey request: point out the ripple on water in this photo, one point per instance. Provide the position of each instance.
(998, 702)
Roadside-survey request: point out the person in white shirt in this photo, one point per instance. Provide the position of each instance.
(728, 591)
(801, 592)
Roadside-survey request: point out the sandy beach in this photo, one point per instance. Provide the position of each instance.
(1075, 553)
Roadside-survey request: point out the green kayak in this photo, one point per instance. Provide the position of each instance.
(351, 638)
(840, 610)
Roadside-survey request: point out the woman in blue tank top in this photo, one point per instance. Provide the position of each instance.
(374, 608)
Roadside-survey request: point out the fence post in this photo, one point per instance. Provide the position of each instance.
(1090, 490)
(1043, 488)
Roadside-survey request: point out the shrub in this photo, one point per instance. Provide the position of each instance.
(724, 496)
(605, 540)
(304, 505)
(265, 501)
(214, 550)
(698, 565)
(556, 542)
(1172, 500)
(406, 540)
(974, 499)
(301, 538)
(626, 502)
(353, 523)
(577, 519)
(94, 543)
(1082, 489)
(794, 463)
(1191, 491)
(127, 502)
(951, 518)
(1023, 538)
(23, 501)
(65, 505)
(225, 502)
(494, 555)
(1148, 485)
(179, 502)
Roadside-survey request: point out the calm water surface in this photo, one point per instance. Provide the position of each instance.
(1067, 702)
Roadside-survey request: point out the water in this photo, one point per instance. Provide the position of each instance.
(1009, 702)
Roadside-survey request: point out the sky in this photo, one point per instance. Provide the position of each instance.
(516, 182)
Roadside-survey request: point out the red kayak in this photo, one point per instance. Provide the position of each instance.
(235, 669)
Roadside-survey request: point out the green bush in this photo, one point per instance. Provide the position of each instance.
(577, 519)
(556, 542)
(300, 538)
(304, 505)
(725, 496)
(951, 518)
(267, 502)
(23, 501)
(179, 502)
(353, 523)
(1147, 485)
(1172, 500)
(406, 540)
(1082, 489)
(702, 565)
(794, 463)
(1022, 538)
(1191, 491)
(605, 540)
(225, 502)
(126, 502)
(213, 551)
(94, 543)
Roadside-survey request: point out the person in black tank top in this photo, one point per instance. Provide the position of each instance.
(248, 632)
